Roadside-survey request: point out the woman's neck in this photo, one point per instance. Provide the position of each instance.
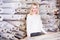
(33, 13)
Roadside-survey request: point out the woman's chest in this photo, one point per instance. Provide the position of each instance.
(34, 19)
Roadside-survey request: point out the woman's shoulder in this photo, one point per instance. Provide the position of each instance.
(29, 15)
(33, 15)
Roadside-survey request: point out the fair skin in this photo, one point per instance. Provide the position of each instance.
(34, 9)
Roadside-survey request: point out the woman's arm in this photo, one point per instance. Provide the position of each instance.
(28, 26)
(42, 26)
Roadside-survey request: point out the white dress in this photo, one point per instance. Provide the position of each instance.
(34, 24)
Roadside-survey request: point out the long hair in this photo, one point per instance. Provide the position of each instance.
(35, 4)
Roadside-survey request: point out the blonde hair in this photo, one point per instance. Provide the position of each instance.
(35, 4)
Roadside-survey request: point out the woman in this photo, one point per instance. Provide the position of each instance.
(34, 23)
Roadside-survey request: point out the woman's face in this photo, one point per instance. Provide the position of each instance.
(34, 9)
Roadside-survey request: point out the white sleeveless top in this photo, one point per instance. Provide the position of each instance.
(34, 24)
